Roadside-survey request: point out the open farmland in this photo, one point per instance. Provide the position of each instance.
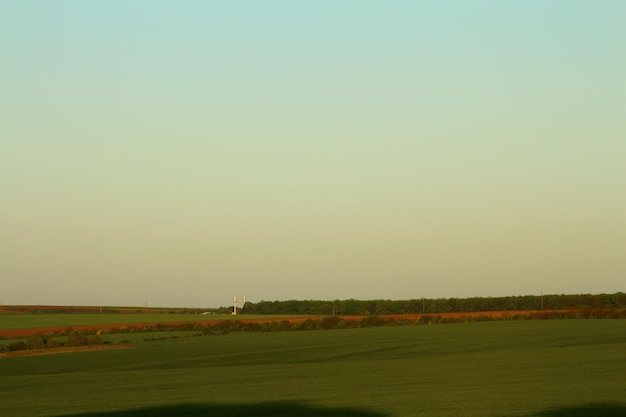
(24, 325)
(27, 324)
(546, 368)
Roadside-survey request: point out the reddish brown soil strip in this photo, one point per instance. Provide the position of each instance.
(53, 351)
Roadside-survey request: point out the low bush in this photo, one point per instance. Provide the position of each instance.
(77, 340)
(13, 347)
(51, 344)
(36, 342)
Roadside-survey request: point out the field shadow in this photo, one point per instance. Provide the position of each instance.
(590, 410)
(291, 409)
(269, 409)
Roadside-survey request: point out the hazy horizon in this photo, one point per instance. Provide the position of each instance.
(147, 307)
(180, 153)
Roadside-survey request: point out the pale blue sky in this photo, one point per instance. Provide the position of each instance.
(180, 153)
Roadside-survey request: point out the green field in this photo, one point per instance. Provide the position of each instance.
(551, 368)
(31, 321)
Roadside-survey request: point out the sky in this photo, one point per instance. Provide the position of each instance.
(180, 153)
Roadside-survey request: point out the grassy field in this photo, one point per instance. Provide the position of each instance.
(552, 368)
(29, 321)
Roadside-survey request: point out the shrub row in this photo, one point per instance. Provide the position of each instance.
(42, 342)
(93, 336)
(337, 322)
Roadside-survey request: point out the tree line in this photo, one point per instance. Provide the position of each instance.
(352, 307)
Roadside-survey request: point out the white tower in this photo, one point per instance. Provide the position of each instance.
(235, 305)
